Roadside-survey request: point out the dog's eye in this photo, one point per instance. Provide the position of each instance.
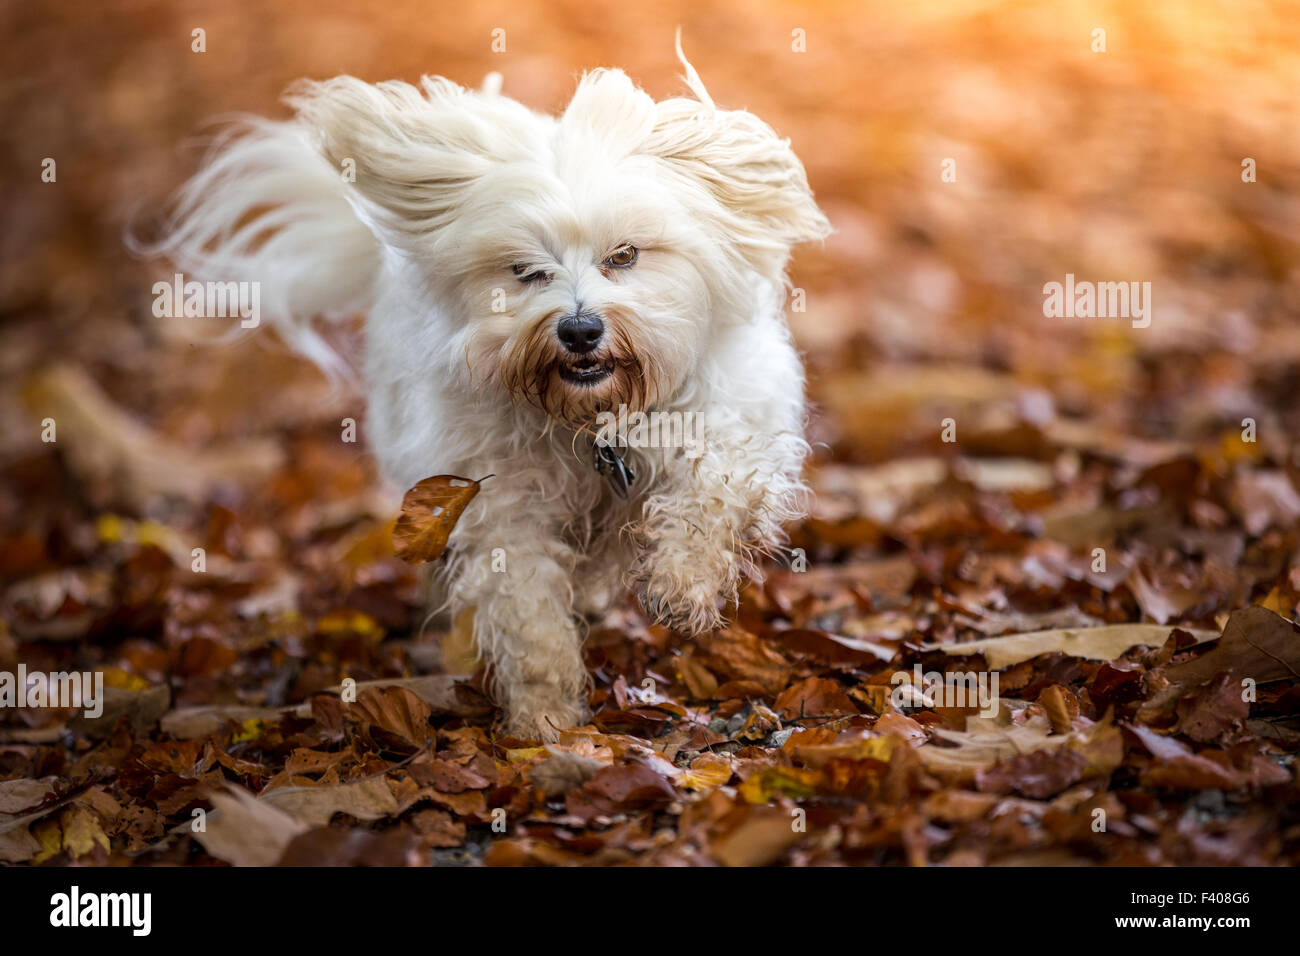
(622, 257)
(527, 273)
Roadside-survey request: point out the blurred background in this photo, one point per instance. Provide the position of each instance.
(1115, 164)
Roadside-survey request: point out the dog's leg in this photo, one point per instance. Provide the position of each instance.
(706, 523)
(518, 579)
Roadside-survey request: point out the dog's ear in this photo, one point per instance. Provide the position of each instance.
(751, 172)
(608, 112)
(411, 153)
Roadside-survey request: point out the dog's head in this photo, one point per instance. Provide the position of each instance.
(588, 255)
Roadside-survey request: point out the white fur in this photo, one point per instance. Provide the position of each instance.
(453, 189)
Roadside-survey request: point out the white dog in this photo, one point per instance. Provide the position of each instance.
(523, 274)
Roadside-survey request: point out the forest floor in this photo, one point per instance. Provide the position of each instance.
(1102, 516)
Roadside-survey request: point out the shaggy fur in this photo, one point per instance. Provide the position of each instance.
(473, 226)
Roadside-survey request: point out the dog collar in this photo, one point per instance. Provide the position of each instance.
(610, 463)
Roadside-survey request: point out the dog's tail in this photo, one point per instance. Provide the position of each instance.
(267, 207)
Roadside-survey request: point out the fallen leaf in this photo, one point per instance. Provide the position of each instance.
(563, 771)
(19, 795)
(1214, 711)
(142, 709)
(706, 772)
(367, 799)
(398, 710)
(814, 697)
(1092, 643)
(325, 846)
(1256, 644)
(245, 831)
(187, 723)
(738, 654)
(755, 836)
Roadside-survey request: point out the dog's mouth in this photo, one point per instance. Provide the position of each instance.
(586, 372)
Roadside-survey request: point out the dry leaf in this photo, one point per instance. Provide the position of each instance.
(142, 708)
(244, 830)
(1091, 643)
(398, 710)
(188, 723)
(759, 837)
(19, 795)
(706, 772)
(430, 511)
(563, 771)
(367, 799)
(1256, 644)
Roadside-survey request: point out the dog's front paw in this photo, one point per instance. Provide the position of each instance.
(537, 711)
(681, 597)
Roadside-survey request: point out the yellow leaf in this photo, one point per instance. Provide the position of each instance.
(766, 786)
(81, 832)
(525, 754)
(49, 835)
(159, 535)
(75, 830)
(109, 528)
(862, 748)
(1276, 602)
(706, 772)
(122, 680)
(357, 622)
(252, 729)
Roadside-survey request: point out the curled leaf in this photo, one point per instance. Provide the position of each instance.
(430, 511)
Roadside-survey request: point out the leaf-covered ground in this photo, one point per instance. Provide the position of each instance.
(1127, 495)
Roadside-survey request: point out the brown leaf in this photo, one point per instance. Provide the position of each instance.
(245, 831)
(438, 828)
(186, 723)
(700, 682)
(397, 710)
(1176, 767)
(19, 795)
(367, 799)
(471, 803)
(430, 511)
(738, 654)
(1162, 601)
(1037, 774)
(142, 708)
(562, 772)
(814, 697)
(611, 790)
(1093, 643)
(1214, 711)
(755, 836)
(325, 846)
(82, 832)
(1058, 711)
(831, 648)
(1256, 644)
(987, 741)
(447, 776)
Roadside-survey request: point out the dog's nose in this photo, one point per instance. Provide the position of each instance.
(580, 333)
